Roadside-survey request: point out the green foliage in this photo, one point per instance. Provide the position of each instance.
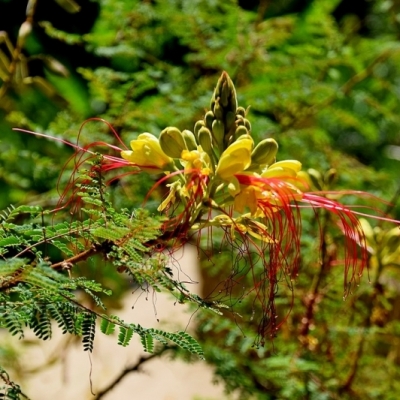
(124, 336)
(324, 83)
(33, 291)
(88, 331)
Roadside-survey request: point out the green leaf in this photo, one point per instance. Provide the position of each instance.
(124, 336)
(147, 342)
(10, 241)
(107, 327)
(88, 331)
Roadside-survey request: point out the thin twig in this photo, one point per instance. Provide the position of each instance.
(84, 255)
(314, 292)
(346, 386)
(128, 370)
(18, 49)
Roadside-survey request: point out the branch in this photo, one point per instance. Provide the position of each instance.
(314, 293)
(67, 264)
(128, 370)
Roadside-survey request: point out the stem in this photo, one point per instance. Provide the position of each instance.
(313, 295)
(346, 387)
(17, 50)
(67, 264)
(134, 368)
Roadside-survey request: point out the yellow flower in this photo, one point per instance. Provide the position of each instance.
(171, 198)
(236, 158)
(196, 159)
(147, 154)
(248, 197)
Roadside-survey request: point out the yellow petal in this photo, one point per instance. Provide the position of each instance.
(290, 164)
(146, 152)
(236, 158)
(247, 198)
(279, 172)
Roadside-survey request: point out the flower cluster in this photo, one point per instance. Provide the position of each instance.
(219, 167)
(219, 177)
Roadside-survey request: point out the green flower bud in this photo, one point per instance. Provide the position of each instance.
(224, 99)
(239, 120)
(172, 142)
(226, 93)
(265, 152)
(205, 140)
(229, 120)
(316, 178)
(197, 126)
(55, 66)
(218, 130)
(24, 32)
(247, 124)
(241, 111)
(241, 130)
(209, 118)
(190, 140)
(330, 177)
(218, 110)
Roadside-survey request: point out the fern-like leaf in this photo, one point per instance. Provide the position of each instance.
(12, 321)
(124, 336)
(107, 327)
(40, 323)
(64, 316)
(182, 339)
(8, 267)
(88, 331)
(147, 342)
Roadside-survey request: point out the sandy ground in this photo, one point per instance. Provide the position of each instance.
(69, 377)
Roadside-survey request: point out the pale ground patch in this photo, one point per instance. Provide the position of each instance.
(162, 379)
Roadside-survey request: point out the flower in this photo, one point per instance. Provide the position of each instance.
(147, 154)
(236, 158)
(196, 160)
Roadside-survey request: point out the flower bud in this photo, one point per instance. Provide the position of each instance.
(239, 120)
(265, 152)
(230, 118)
(226, 93)
(240, 131)
(197, 126)
(247, 124)
(190, 140)
(316, 178)
(172, 142)
(205, 140)
(55, 66)
(218, 130)
(24, 32)
(330, 176)
(209, 118)
(218, 110)
(241, 111)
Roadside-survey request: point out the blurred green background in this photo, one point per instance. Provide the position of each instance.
(322, 78)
